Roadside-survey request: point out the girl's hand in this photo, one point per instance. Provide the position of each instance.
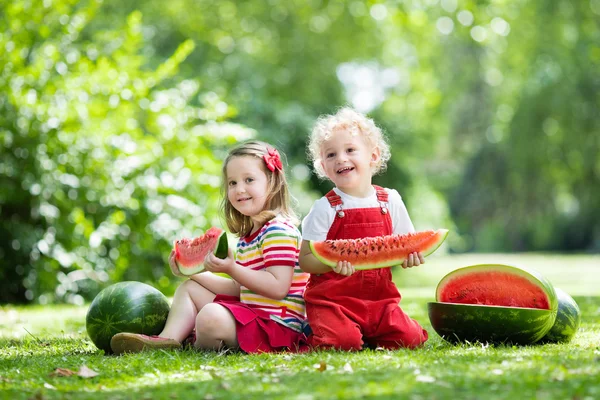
(344, 268)
(213, 263)
(173, 265)
(413, 260)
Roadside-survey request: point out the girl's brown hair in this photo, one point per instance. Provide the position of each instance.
(278, 199)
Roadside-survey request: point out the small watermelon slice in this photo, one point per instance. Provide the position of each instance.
(190, 253)
(494, 303)
(379, 251)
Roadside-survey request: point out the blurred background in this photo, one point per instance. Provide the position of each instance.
(115, 116)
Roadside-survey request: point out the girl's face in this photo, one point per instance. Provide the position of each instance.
(348, 160)
(246, 184)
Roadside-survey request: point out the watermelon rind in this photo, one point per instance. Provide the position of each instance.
(128, 306)
(461, 323)
(221, 251)
(222, 246)
(567, 320)
(531, 275)
(440, 236)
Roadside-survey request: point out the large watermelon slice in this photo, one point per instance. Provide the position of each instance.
(190, 253)
(493, 303)
(125, 307)
(379, 251)
(567, 320)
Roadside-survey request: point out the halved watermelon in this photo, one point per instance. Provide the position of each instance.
(493, 303)
(190, 253)
(379, 251)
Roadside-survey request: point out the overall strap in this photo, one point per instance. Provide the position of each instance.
(333, 198)
(382, 198)
(336, 202)
(382, 195)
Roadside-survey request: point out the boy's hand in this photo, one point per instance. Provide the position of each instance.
(344, 268)
(173, 265)
(413, 260)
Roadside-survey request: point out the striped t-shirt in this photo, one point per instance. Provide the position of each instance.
(276, 244)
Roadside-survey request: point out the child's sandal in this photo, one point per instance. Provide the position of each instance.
(136, 342)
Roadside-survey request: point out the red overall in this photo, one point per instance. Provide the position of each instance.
(342, 310)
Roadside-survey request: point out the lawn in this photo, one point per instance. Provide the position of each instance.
(36, 341)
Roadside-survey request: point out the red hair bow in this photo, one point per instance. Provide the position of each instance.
(273, 160)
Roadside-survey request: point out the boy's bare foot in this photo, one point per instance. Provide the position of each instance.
(136, 342)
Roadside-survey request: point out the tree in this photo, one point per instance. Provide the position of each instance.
(104, 161)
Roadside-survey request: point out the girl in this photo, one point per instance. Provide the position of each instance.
(261, 309)
(347, 310)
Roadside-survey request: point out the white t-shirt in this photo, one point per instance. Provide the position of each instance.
(320, 218)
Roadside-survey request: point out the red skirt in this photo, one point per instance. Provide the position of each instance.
(257, 332)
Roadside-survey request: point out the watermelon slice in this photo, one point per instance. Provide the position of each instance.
(493, 303)
(190, 253)
(379, 251)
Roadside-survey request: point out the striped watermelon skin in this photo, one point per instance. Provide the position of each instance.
(125, 307)
(567, 321)
(489, 324)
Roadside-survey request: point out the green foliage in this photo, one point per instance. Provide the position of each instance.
(531, 184)
(489, 106)
(104, 161)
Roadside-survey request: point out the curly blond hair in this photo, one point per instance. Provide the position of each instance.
(357, 124)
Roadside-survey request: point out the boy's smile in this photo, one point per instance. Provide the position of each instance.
(345, 170)
(348, 160)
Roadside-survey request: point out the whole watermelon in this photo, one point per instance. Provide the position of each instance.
(567, 319)
(126, 307)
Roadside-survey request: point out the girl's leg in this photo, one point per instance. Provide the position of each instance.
(215, 328)
(190, 297)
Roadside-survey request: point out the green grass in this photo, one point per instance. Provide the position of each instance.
(34, 341)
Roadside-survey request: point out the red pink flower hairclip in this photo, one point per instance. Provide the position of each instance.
(273, 160)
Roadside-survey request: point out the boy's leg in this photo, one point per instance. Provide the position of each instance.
(332, 327)
(393, 328)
